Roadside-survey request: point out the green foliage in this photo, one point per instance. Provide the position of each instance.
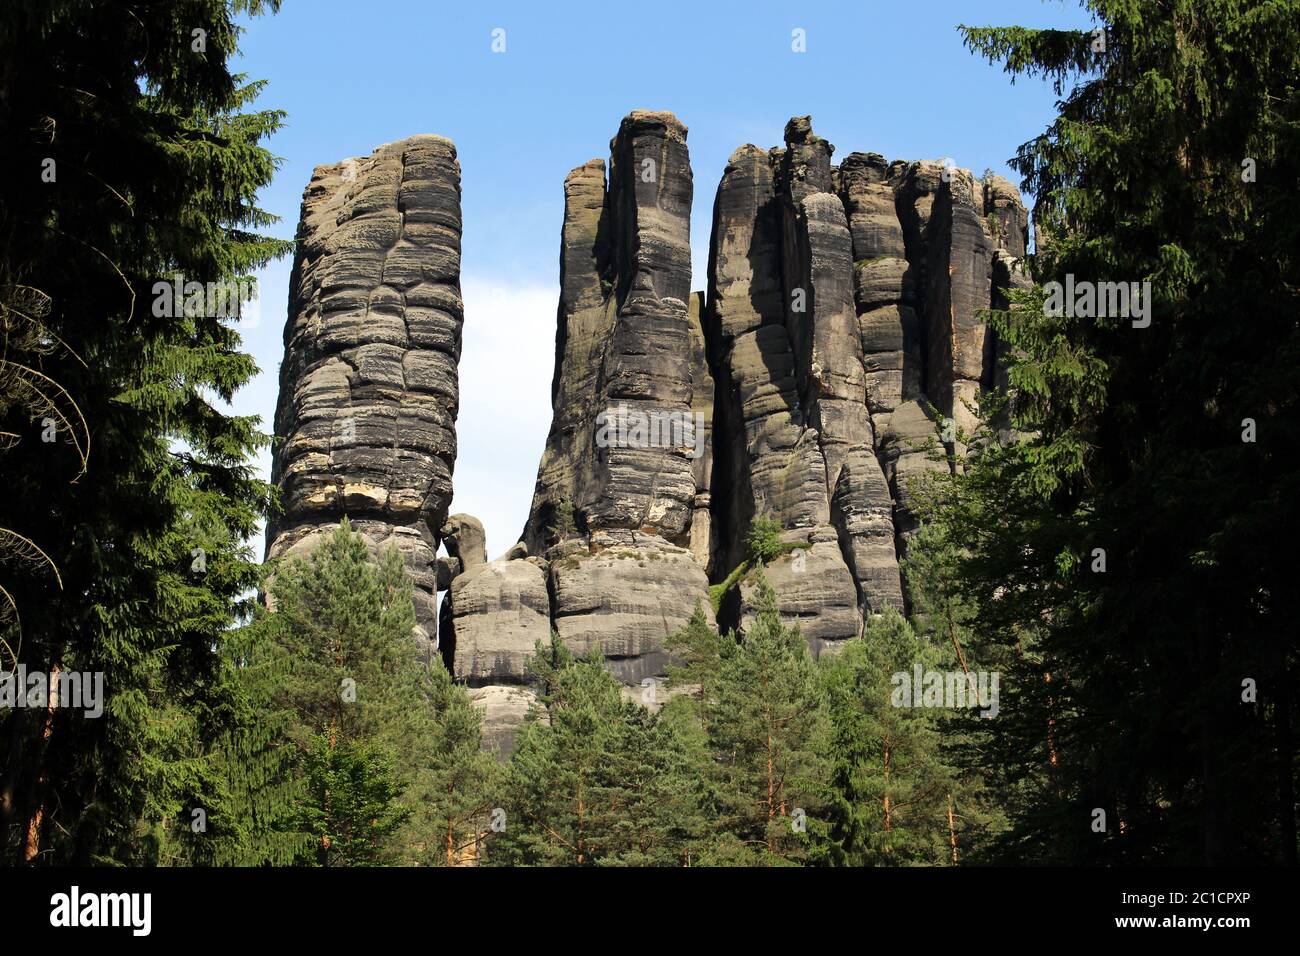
(1124, 686)
(344, 624)
(351, 807)
(597, 780)
(452, 796)
(389, 747)
(767, 731)
(718, 591)
(157, 162)
(764, 540)
(566, 525)
(890, 784)
(253, 801)
(763, 545)
(696, 651)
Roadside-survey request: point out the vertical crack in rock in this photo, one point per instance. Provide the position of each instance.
(701, 537)
(769, 451)
(959, 274)
(368, 385)
(885, 299)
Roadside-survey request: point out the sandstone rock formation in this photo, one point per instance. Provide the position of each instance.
(843, 303)
(784, 338)
(619, 529)
(368, 386)
(838, 352)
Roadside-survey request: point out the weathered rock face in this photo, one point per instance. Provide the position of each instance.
(843, 303)
(504, 708)
(784, 333)
(616, 548)
(955, 231)
(498, 612)
(368, 386)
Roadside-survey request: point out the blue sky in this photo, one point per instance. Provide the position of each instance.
(889, 77)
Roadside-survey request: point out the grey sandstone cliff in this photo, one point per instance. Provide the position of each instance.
(844, 303)
(840, 331)
(368, 387)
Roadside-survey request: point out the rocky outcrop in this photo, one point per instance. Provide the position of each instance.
(784, 332)
(495, 615)
(504, 707)
(368, 385)
(844, 302)
(765, 453)
(619, 531)
(838, 352)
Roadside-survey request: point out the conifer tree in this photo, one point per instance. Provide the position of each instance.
(388, 746)
(454, 794)
(596, 779)
(252, 806)
(131, 158)
(1130, 551)
(891, 783)
(767, 731)
(695, 654)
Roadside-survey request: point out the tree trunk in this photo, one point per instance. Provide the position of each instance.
(952, 831)
(771, 807)
(32, 834)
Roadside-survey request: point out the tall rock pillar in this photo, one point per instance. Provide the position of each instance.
(366, 418)
(616, 547)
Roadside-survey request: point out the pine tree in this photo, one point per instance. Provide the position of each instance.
(362, 704)
(252, 804)
(1130, 551)
(352, 802)
(596, 779)
(131, 158)
(695, 654)
(453, 795)
(767, 727)
(893, 784)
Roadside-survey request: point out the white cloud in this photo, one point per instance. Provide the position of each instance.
(507, 359)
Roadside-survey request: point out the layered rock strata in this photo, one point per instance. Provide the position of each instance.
(616, 547)
(838, 352)
(368, 386)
